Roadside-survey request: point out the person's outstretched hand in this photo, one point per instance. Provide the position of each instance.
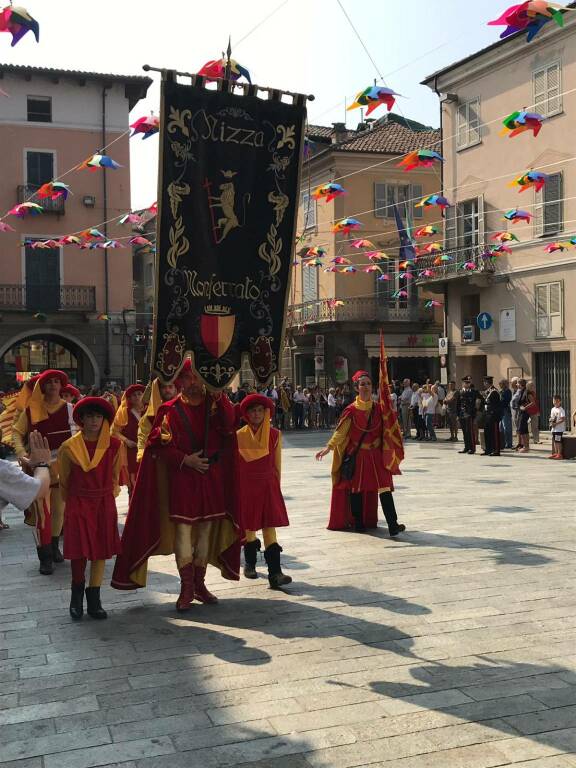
(39, 449)
(320, 455)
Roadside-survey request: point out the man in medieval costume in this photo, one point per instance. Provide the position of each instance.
(52, 416)
(368, 449)
(184, 498)
(156, 394)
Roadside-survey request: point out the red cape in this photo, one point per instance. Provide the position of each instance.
(341, 516)
(145, 533)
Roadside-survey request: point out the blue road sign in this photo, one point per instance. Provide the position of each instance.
(484, 321)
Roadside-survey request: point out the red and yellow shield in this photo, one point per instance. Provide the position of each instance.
(217, 332)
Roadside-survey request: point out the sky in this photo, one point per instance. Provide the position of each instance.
(306, 46)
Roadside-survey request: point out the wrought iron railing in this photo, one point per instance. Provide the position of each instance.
(66, 298)
(369, 309)
(463, 262)
(27, 194)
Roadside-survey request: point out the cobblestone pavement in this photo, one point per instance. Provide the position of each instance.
(452, 647)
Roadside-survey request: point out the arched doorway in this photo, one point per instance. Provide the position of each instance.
(31, 353)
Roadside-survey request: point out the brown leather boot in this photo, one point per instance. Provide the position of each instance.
(184, 602)
(202, 593)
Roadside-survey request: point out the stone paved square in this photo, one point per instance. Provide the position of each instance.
(450, 647)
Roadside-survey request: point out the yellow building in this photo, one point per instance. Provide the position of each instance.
(334, 318)
(527, 319)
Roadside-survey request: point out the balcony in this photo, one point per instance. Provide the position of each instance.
(484, 266)
(27, 194)
(353, 310)
(58, 298)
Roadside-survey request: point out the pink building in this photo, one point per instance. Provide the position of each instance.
(51, 299)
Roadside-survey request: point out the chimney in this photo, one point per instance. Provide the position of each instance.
(339, 132)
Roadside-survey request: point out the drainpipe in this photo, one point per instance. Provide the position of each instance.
(445, 307)
(105, 250)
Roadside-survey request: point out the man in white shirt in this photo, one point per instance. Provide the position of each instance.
(20, 489)
(405, 400)
(557, 427)
(298, 398)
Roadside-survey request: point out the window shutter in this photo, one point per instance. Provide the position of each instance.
(481, 221)
(555, 309)
(474, 121)
(450, 231)
(542, 303)
(539, 82)
(553, 91)
(462, 126)
(553, 204)
(417, 194)
(538, 220)
(379, 200)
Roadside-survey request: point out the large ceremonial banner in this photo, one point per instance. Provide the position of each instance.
(228, 198)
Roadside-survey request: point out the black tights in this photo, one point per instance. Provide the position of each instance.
(386, 502)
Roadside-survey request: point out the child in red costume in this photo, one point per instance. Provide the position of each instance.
(125, 428)
(359, 439)
(90, 465)
(263, 508)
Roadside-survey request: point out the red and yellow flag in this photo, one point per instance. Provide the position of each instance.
(392, 445)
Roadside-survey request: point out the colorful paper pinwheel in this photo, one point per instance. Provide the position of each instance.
(407, 263)
(421, 158)
(6, 227)
(426, 273)
(316, 251)
(372, 268)
(519, 122)
(349, 270)
(504, 237)
(444, 259)
(434, 200)
(346, 225)
(111, 244)
(400, 294)
(516, 214)
(153, 208)
(23, 209)
(373, 96)
(331, 269)
(139, 240)
(328, 192)
(362, 244)
(530, 179)
(469, 266)
(530, 17)
(17, 22)
(557, 246)
(376, 255)
(313, 263)
(427, 231)
(70, 240)
(131, 218)
(340, 260)
(99, 161)
(147, 126)
(335, 303)
(405, 276)
(53, 190)
(383, 276)
(215, 69)
(432, 303)
(499, 249)
(432, 248)
(92, 234)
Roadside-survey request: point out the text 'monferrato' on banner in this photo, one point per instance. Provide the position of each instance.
(228, 201)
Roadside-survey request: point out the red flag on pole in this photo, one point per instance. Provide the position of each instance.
(392, 445)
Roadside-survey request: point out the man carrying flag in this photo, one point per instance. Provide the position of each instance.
(368, 449)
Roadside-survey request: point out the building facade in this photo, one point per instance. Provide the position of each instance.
(334, 318)
(64, 307)
(511, 315)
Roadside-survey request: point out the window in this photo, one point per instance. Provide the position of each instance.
(471, 222)
(549, 208)
(549, 302)
(548, 90)
(386, 195)
(309, 283)
(468, 124)
(39, 109)
(308, 211)
(39, 167)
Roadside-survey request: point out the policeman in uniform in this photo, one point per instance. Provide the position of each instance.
(493, 411)
(466, 414)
